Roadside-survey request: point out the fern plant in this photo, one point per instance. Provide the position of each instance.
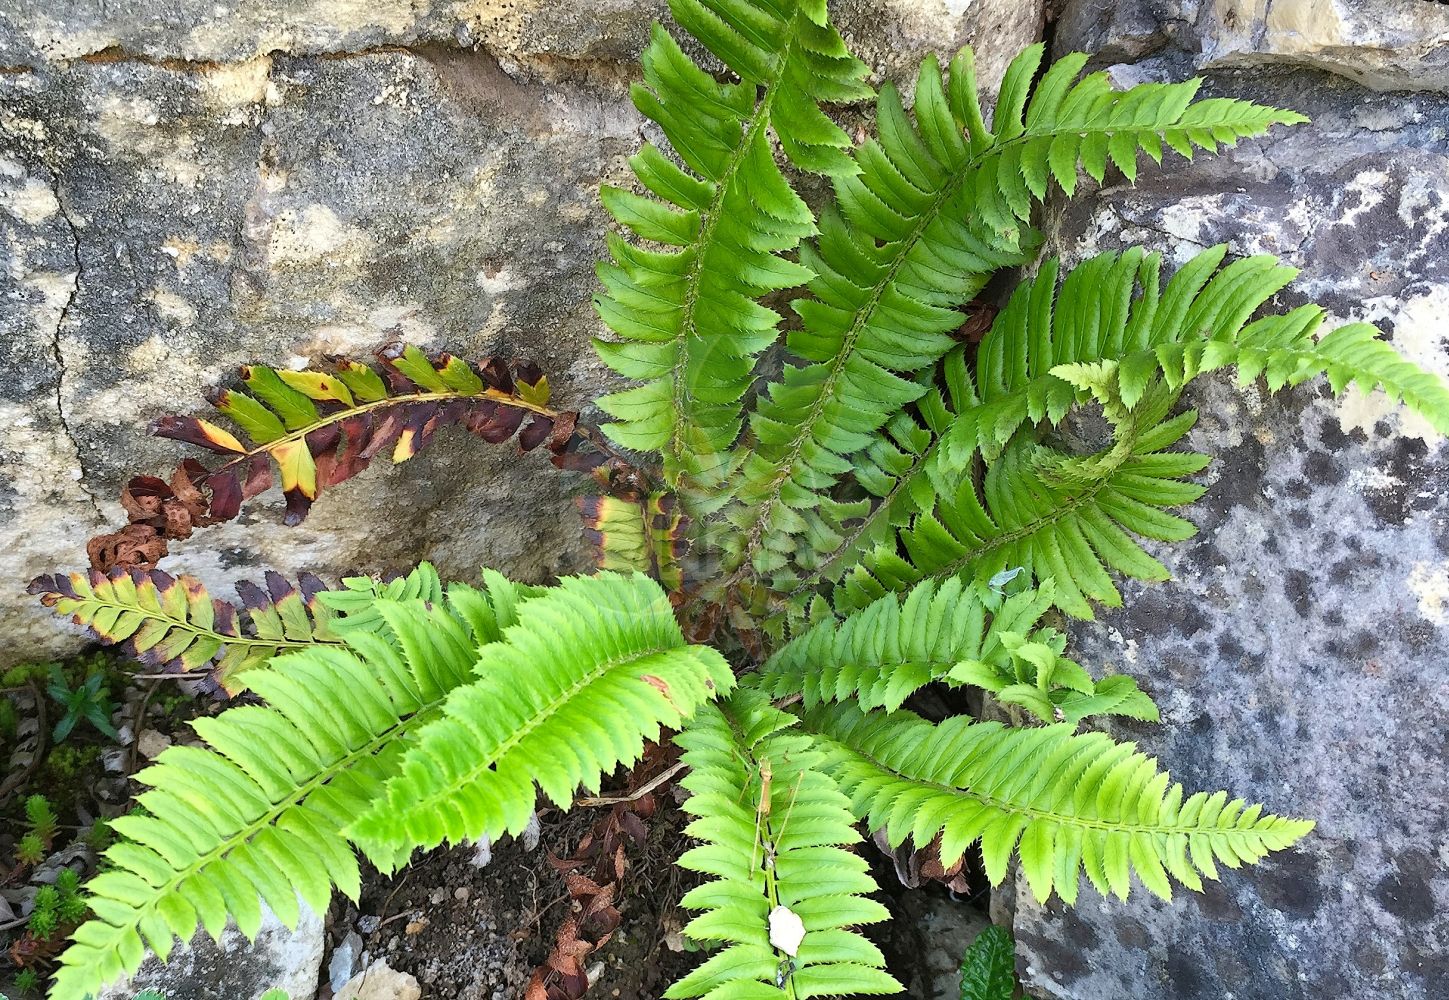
(794, 560)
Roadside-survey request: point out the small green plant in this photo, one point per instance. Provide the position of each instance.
(27, 981)
(798, 557)
(57, 907)
(25, 673)
(42, 825)
(9, 720)
(988, 971)
(89, 700)
(41, 817)
(71, 907)
(30, 849)
(98, 836)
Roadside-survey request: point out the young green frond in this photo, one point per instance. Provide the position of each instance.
(783, 889)
(174, 623)
(952, 632)
(689, 320)
(882, 653)
(938, 206)
(593, 668)
(259, 813)
(1049, 346)
(1066, 518)
(1063, 802)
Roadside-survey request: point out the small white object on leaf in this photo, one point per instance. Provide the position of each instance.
(787, 930)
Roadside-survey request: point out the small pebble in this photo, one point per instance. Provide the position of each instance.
(150, 743)
(416, 926)
(461, 893)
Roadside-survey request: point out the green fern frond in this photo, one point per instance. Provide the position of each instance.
(939, 204)
(259, 813)
(776, 832)
(174, 623)
(1032, 514)
(689, 320)
(1047, 346)
(1064, 802)
(536, 712)
(952, 632)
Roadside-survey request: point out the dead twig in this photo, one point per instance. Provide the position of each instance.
(614, 800)
(134, 748)
(20, 777)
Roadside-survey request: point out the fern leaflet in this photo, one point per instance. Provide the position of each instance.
(536, 713)
(775, 831)
(1064, 802)
(689, 320)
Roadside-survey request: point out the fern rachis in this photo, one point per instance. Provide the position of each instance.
(692, 331)
(934, 159)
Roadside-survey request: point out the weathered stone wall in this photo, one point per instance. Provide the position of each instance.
(187, 187)
(1299, 653)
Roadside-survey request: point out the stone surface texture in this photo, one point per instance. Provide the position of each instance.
(1299, 652)
(188, 187)
(236, 969)
(1382, 44)
(380, 981)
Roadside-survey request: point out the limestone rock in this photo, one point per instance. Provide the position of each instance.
(380, 981)
(1298, 653)
(891, 34)
(1383, 44)
(236, 969)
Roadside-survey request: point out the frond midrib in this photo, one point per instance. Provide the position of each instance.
(1125, 446)
(221, 637)
(400, 399)
(1035, 813)
(767, 835)
(881, 509)
(759, 120)
(539, 718)
(298, 795)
